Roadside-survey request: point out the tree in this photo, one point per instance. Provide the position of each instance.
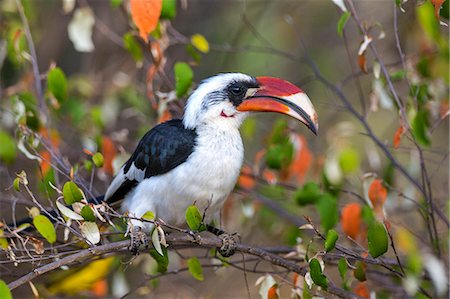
(359, 209)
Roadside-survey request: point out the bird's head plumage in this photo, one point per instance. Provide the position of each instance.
(226, 99)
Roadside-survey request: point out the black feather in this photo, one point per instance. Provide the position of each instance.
(160, 150)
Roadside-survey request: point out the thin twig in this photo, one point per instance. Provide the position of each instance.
(36, 74)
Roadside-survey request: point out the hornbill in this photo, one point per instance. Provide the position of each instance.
(197, 159)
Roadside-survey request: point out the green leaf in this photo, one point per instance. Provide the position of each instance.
(420, 127)
(133, 47)
(367, 215)
(342, 267)
(426, 18)
(377, 238)
(194, 53)
(316, 274)
(183, 78)
(169, 9)
(200, 43)
(193, 218)
(88, 165)
(328, 211)
(98, 160)
(309, 194)
(331, 239)
(149, 215)
(16, 184)
(31, 117)
(360, 271)
(280, 155)
(349, 160)
(195, 268)
(57, 84)
(3, 241)
(45, 227)
(398, 75)
(8, 151)
(279, 132)
(5, 293)
(248, 128)
(161, 260)
(87, 213)
(115, 3)
(71, 193)
(341, 23)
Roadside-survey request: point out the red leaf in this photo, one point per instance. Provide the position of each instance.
(246, 180)
(145, 14)
(377, 194)
(437, 7)
(45, 163)
(100, 288)
(398, 135)
(351, 219)
(109, 153)
(361, 290)
(269, 176)
(362, 62)
(272, 292)
(302, 159)
(165, 116)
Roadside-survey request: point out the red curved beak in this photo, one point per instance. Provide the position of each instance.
(277, 95)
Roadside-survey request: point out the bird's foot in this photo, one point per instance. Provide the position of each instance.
(138, 239)
(229, 243)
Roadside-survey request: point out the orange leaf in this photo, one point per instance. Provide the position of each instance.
(377, 194)
(109, 153)
(145, 14)
(100, 288)
(437, 7)
(295, 279)
(272, 293)
(361, 290)
(88, 152)
(45, 163)
(302, 159)
(269, 176)
(246, 180)
(362, 62)
(351, 219)
(165, 116)
(53, 137)
(398, 135)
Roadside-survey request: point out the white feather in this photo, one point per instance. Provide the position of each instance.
(206, 178)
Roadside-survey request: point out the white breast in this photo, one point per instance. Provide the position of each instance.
(206, 178)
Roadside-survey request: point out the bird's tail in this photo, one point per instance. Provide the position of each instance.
(53, 213)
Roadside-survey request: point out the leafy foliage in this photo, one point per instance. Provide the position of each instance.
(74, 110)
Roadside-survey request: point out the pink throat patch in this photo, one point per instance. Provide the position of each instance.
(224, 115)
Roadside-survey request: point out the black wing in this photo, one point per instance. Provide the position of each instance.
(160, 150)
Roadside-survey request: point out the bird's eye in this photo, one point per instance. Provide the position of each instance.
(237, 90)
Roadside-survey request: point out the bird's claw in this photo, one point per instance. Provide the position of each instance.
(138, 239)
(229, 243)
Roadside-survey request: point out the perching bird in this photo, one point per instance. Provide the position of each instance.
(198, 159)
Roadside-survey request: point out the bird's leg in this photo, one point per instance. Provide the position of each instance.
(229, 241)
(138, 239)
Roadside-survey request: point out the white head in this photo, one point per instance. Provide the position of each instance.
(225, 100)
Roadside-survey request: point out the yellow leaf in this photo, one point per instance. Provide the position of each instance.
(200, 42)
(82, 279)
(145, 14)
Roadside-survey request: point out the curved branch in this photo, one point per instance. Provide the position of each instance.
(175, 241)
